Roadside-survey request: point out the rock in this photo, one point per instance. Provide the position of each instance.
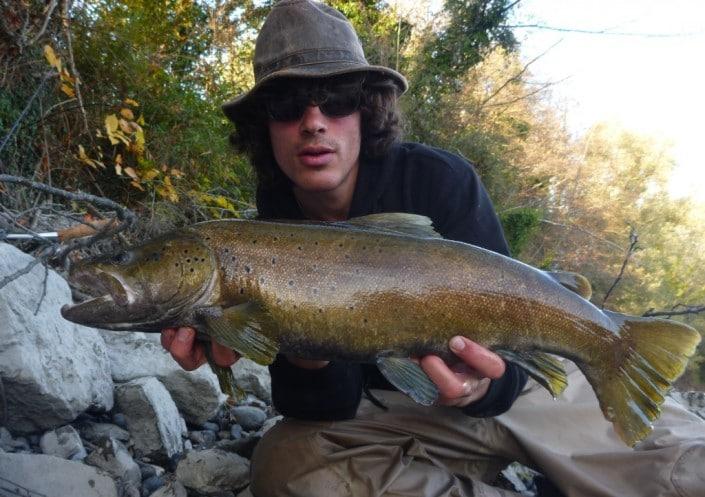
(171, 489)
(119, 420)
(213, 471)
(245, 493)
(150, 470)
(250, 418)
(253, 378)
(152, 484)
(63, 442)
(224, 435)
(52, 370)
(6, 440)
(94, 432)
(242, 446)
(203, 438)
(49, 476)
(214, 427)
(235, 431)
(136, 355)
(152, 418)
(269, 424)
(111, 455)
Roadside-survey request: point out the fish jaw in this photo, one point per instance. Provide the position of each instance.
(115, 304)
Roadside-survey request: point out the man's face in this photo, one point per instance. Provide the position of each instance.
(315, 134)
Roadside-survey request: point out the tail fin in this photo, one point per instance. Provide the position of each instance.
(652, 354)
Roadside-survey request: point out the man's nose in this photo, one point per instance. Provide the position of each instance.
(313, 121)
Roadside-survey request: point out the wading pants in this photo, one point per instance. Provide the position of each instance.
(410, 450)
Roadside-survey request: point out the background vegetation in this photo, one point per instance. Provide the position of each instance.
(121, 98)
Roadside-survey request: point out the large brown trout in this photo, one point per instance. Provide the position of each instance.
(382, 289)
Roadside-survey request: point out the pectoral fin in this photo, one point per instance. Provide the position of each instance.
(409, 378)
(240, 327)
(545, 369)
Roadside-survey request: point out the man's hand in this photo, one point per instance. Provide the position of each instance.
(467, 381)
(190, 354)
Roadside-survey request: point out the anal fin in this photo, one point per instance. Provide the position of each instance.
(545, 369)
(409, 378)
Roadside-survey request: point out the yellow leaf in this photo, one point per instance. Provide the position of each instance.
(51, 57)
(132, 173)
(111, 126)
(127, 114)
(164, 168)
(131, 102)
(125, 127)
(67, 90)
(118, 159)
(118, 169)
(82, 152)
(167, 182)
(150, 175)
(177, 173)
(137, 185)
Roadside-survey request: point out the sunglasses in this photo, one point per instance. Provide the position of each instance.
(289, 104)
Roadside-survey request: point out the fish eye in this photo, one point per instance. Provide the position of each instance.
(121, 258)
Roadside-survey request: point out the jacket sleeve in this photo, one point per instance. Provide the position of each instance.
(467, 215)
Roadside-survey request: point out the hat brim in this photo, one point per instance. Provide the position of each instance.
(235, 106)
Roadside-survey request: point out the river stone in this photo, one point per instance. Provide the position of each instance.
(152, 418)
(171, 489)
(63, 442)
(93, 432)
(213, 471)
(250, 418)
(112, 456)
(49, 476)
(136, 355)
(52, 370)
(253, 378)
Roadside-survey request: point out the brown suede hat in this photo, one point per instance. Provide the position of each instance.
(302, 38)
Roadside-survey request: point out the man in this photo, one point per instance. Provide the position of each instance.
(321, 127)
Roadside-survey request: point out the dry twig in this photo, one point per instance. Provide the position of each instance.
(633, 239)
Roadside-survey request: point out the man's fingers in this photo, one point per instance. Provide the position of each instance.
(482, 360)
(224, 356)
(450, 385)
(185, 350)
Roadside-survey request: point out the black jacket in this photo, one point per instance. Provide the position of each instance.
(416, 179)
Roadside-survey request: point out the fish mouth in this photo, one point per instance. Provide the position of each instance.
(112, 304)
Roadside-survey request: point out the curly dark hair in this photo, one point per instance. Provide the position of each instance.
(380, 124)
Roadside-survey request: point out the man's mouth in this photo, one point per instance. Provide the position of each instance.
(316, 156)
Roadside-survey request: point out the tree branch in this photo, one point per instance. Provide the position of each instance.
(689, 309)
(633, 239)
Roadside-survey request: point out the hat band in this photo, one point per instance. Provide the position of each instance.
(308, 57)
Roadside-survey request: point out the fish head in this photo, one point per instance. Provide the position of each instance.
(145, 288)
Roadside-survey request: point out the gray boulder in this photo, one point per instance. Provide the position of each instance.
(136, 355)
(112, 456)
(253, 378)
(213, 471)
(152, 418)
(52, 370)
(64, 442)
(49, 476)
(94, 432)
(171, 489)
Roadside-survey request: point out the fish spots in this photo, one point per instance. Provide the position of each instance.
(261, 280)
(315, 291)
(242, 290)
(299, 247)
(248, 269)
(254, 242)
(274, 261)
(291, 282)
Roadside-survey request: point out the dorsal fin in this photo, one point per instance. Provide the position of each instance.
(573, 281)
(395, 222)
